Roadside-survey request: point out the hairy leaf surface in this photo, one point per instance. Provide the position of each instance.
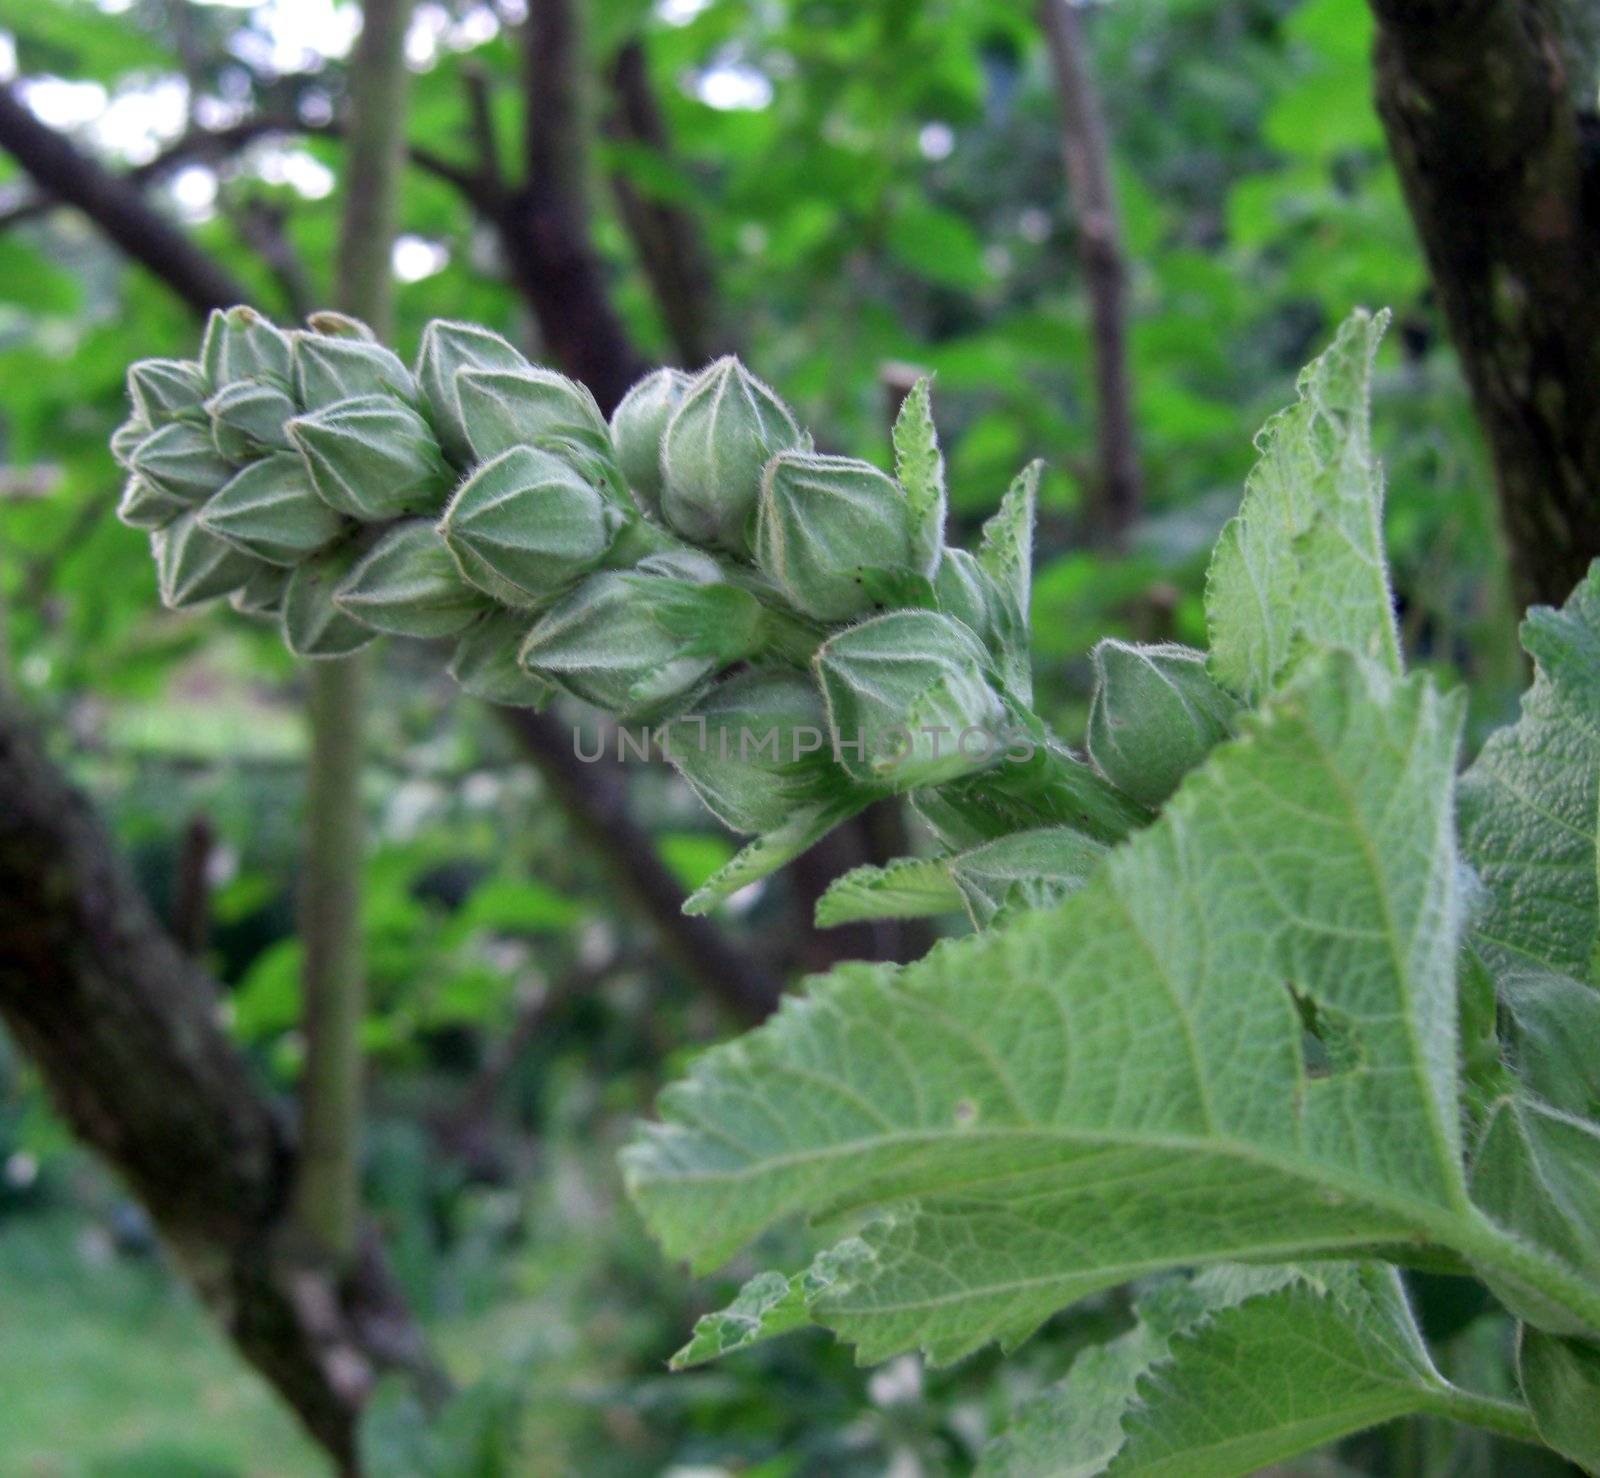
(1117, 1084)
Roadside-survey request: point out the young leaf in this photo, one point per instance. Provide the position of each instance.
(1232, 1371)
(1302, 564)
(907, 888)
(919, 467)
(766, 854)
(1127, 1089)
(1561, 1379)
(1530, 804)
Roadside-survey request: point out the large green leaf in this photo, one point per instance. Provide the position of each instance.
(1530, 804)
(1119, 1083)
(1233, 1370)
(1302, 564)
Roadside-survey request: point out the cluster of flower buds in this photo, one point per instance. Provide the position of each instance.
(793, 620)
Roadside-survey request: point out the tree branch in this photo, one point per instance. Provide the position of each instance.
(56, 165)
(1499, 172)
(1087, 155)
(544, 225)
(667, 241)
(125, 1032)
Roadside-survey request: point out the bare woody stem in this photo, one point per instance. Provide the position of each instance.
(1119, 491)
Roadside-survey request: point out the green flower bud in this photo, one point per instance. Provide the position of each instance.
(180, 460)
(164, 390)
(407, 584)
(242, 345)
(126, 438)
(447, 349)
(270, 510)
(637, 426)
(193, 566)
(1155, 715)
(503, 408)
(911, 701)
(638, 642)
(756, 748)
(372, 458)
(247, 419)
(726, 429)
(833, 534)
(486, 662)
(328, 370)
(145, 506)
(526, 525)
(313, 625)
(262, 594)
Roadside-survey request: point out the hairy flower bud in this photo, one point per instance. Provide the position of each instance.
(526, 525)
(328, 370)
(637, 642)
(487, 663)
(911, 701)
(164, 390)
(180, 460)
(723, 433)
(503, 408)
(834, 534)
(262, 593)
(145, 506)
(193, 566)
(372, 458)
(408, 584)
(241, 345)
(312, 623)
(271, 510)
(447, 349)
(247, 419)
(1155, 715)
(755, 748)
(637, 427)
(126, 438)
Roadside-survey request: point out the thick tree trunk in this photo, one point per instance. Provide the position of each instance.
(1475, 98)
(125, 1032)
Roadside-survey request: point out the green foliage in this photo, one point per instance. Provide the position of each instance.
(1273, 1077)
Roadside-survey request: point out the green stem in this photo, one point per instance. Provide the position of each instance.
(327, 1192)
(1504, 1418)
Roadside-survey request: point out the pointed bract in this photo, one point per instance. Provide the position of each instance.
(526, 525)
(831, 532)
(271, 511)
(911, 701)
(164, 390)
(637, 427)
(181, 461)
(242, 345)
(328, 370)
(193, 566)
(504, 408)
(718, 441)
(312, 624)
(486, 662)
(447, 349)
(247, 419)
(144, 506)
(373, 459)
(407, 584)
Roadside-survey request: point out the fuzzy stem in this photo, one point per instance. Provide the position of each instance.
(328, 1196)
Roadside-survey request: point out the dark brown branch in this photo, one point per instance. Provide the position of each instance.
(671, 251)
(125, 1032)
(1498, 171)
(594, 800)
(57, 166)
(544, 225)
(1087, 156)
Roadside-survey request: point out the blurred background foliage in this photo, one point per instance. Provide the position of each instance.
(876, 185)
